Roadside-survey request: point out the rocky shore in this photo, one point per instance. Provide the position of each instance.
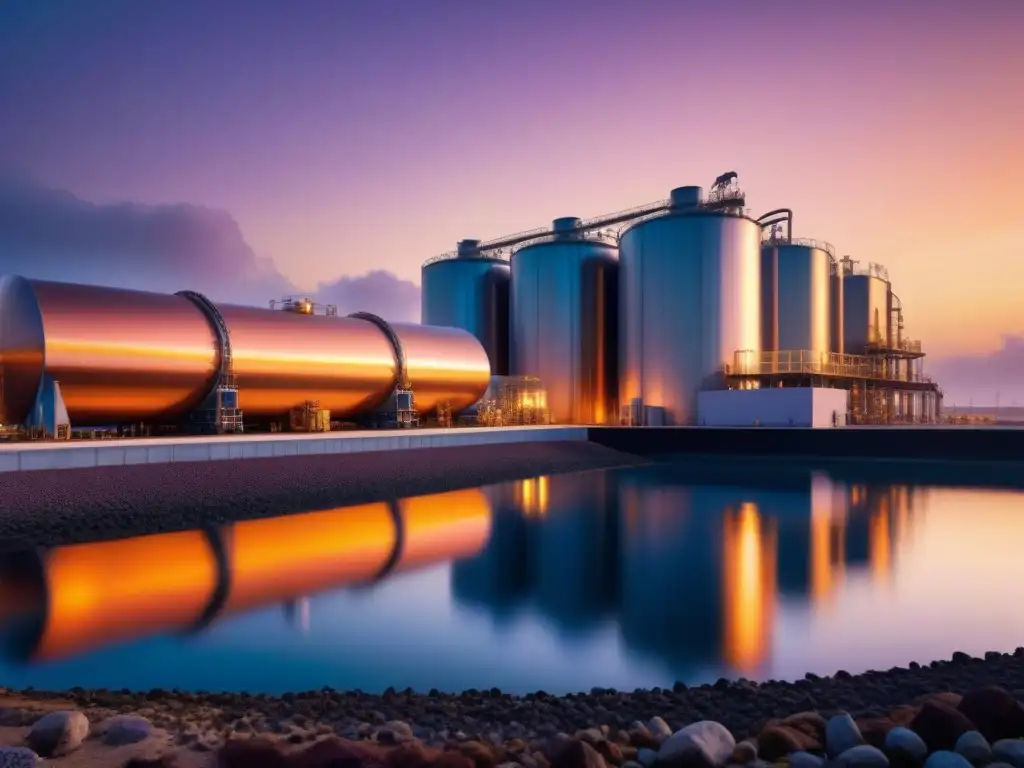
(951, 714)
(68, 506)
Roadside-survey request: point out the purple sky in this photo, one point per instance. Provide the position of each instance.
(344, 137)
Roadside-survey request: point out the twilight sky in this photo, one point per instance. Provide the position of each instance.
(339, 138)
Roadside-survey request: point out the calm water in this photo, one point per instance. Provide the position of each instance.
(620, 579)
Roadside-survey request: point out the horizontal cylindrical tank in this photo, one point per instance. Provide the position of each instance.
(131, 356)
(444, 365)
(563, 317)
(867, 308)
(690, 299)
(85, 596)
(796, 301)
(470, 291)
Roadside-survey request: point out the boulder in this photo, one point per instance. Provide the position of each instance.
(939, 725)
(842, 735)
(57, 733)
(994, 711)
(974, 747)
(704, 744)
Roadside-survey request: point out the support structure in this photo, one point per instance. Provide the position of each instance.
(219, 412)
(400, 408)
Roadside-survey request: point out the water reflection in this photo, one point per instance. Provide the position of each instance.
(76, 598)
(691, 574)
(629, 578)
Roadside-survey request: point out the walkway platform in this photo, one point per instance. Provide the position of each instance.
(18, 457)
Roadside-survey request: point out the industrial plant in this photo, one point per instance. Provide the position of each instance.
(688, 311)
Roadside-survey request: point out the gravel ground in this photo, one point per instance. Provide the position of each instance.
(52, 507)
(492, 728)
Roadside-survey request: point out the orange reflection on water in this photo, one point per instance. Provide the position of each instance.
(444, 526)
(750, 547)
(285, 557)
(114, 590)
(828, 538)
(879, 544)
(532, 496)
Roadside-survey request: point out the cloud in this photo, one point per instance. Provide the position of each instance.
(378, 291)
(983, 378)
(51, 234)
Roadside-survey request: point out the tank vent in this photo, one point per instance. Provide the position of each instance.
(685, 197)
(567, 228)
(468, 248)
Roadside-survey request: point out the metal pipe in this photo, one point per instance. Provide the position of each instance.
(788, 219)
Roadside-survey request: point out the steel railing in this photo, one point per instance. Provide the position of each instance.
(808, 362)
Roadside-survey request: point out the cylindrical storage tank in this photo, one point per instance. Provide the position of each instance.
(563, 317)
(470, 291)
(690, 299)
(836, 308)
(796, 299)
(867, 307)
(119, 355)
(444, 365)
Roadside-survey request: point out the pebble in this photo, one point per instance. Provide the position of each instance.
(646, 757)
(862, 756)
(801, 759)
(842, 734)
(704, 743)
(125, 729)
(1009, 751)
(18, 757)
(658, 728)
(58, 733)
(946, 759)
(974, 747)
(904, 742)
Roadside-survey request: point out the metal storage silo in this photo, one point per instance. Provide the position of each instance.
(835, 284)
(690, 298)
(470, 290)
(796, 298)
(563, 317)
(867, 307)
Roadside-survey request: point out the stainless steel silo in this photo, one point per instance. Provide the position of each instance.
(796, 298)
(836, 299)
(867, 308)
(690, 299)
(470, 291)
(563, 318)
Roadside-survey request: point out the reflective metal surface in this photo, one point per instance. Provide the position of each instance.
(796, 302)
(85, 596)
(125, 356)
(444, 364)
(282, 359)
(21, 349)
(471, 293)
(867, 307)
(690, 297)
(563, 317)
(836, 308)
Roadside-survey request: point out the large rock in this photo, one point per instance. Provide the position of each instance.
(946, 759)
(994, 711)
(940, 725)
(1009, 751)
(776, 741)
(58, 733)
(974, 747)
(841, 735)
(125, 729)
(874, 730)
(862, 756)
(811, 723)
(18, 757)
(659, 729)
(699, 745)
(903, 744)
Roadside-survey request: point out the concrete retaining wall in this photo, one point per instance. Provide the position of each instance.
(18, 457)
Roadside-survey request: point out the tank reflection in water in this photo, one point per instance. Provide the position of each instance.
(624, 579)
